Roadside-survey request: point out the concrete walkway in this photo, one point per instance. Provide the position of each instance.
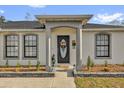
(60, 81)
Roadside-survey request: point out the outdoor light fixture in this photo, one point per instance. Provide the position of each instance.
(73, 44)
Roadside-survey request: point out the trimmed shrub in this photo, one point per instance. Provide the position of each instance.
(106, 69)
(38, 65)
(89, 62)
(18, 65)
(106, 63)
(7, 63)
(123, 63)
(29, 64)
(92, 63)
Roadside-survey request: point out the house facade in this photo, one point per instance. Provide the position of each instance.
(70, 38)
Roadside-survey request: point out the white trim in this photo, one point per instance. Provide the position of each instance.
(60, 17)
(104, 29)
(4, 30)
(41, 30)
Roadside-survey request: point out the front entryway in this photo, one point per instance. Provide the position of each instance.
(63, 48)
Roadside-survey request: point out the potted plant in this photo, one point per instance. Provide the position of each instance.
(53, 62)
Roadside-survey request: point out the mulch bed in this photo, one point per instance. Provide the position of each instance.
(21, 69)
(102, 68)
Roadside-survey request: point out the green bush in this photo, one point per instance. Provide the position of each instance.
(7, 63)
(92, 64)
(18, 65)
(106, 63)
(106, 69)
(89, 62)
(38, 65)
(29, 64)
(123, 63)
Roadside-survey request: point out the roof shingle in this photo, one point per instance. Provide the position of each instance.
(92, 25)
(21, 25)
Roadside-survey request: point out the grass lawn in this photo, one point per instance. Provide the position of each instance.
(99, 82)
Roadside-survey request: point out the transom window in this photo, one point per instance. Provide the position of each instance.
(30, 46)
(12, 45)
(102, 45)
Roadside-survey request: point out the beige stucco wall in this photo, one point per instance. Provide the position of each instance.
(88, 48)
(117, 47)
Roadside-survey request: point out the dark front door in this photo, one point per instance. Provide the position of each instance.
(63, 49)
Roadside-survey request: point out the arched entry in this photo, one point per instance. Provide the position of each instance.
(62, 38)
(52, 21)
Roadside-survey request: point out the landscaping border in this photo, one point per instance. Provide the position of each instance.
(26, 74)
(98, 74)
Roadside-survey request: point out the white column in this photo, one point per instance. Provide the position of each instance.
(79, 48)
(21, 50)
(48, 49)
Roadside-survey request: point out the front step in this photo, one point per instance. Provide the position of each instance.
(63, 67)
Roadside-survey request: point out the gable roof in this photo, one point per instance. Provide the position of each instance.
(37, 25)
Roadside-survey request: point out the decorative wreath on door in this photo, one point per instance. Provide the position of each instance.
(63, 44)
(63, 48)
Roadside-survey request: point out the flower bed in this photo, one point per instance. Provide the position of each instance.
(21, 69)
(102, 68)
